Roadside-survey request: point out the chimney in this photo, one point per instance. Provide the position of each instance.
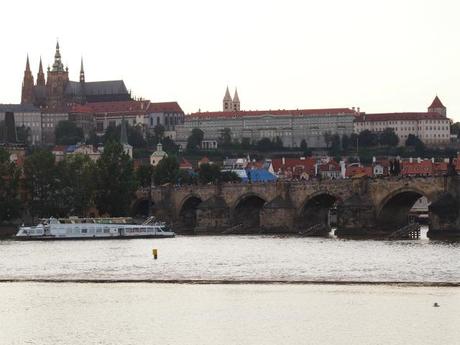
(419, 160)
(374, 159)
(359, 109)
(432, 159)
(410, 160)
(283, 161)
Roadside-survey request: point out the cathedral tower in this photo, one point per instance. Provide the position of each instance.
(40, 75)
(227, 102)
(236, 101)
(437, 107)
(27, 94)
(57, 80)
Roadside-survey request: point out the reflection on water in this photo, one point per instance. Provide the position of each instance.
(233, 258)
(135, 314)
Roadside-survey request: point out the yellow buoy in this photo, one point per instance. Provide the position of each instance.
(155, 253)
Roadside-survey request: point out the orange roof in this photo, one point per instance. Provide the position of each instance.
(126, 107)
(164, 107)
(424, 167)
(302, 112)
(398, 117)
(185, 164)
(358, 171)
(294, 164)
(436, 103)
(204, 160)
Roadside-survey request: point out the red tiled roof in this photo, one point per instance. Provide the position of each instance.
(293, 167)
(298, 112)
(164, 107)
(355, 170)
(399, 117)
(436, 103)
(59, 148)
(204, 160)
(330, 166)
(185, 164)
(415, 168)
(125, 107)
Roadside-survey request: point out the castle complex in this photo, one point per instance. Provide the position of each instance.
(57, 91)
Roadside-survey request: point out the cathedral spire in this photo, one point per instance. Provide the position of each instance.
(27, 93)
(82, 72)
(27, 64)
(227, 102)
(236, 101)
(57, 65)
(40, 75)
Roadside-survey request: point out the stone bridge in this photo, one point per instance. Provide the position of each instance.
(363, 206)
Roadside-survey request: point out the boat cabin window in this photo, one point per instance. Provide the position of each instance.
(99, 231)
(106, 230)
(84, 231)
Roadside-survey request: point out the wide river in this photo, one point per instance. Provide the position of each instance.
(67, 309)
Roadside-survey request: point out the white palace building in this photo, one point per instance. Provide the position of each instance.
(292, 126)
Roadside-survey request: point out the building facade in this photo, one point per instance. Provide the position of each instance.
(27, 116)
(291, 126)
(432, 127)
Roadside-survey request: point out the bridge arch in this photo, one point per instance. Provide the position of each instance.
(392, 212)
(246, 210)
(315, 209)
(187, 211)
(141, 207)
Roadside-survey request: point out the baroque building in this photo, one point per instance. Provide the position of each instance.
(58, 91)
(432, 127)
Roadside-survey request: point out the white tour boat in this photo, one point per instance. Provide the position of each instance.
(78, 229)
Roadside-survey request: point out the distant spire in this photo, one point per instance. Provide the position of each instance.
(227, 96)
(57, 65)
(124, 134)
(235, 97)
(82, 72)
(27, 64)
(40, 75)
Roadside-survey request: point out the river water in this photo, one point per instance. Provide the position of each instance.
(142, 312)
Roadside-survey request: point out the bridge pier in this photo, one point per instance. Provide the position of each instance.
(356, 217)
(278, 216)
(213, 216)
(444, 218)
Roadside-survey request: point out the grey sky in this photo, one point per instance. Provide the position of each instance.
(379, 55)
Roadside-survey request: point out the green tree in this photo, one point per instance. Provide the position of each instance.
(195, 139)
(455, 129)
(209, 173)
(346, 142)
(10, 203)
(135, 137)
(76, 185)
(159, 132)
(245, 143)
(264, 144)
(115, 181)
(24, 134)
(230, 176)
(303, 145)
(67, 133)
(40, 180)
(335, 144)
(226, 138)
(413, 140)
(144, 175)
(327, 138)
(368, 138)
(388, 137)
(167, 171)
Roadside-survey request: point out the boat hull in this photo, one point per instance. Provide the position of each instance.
(56, 238)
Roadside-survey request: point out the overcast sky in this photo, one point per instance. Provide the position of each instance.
(383, 56)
